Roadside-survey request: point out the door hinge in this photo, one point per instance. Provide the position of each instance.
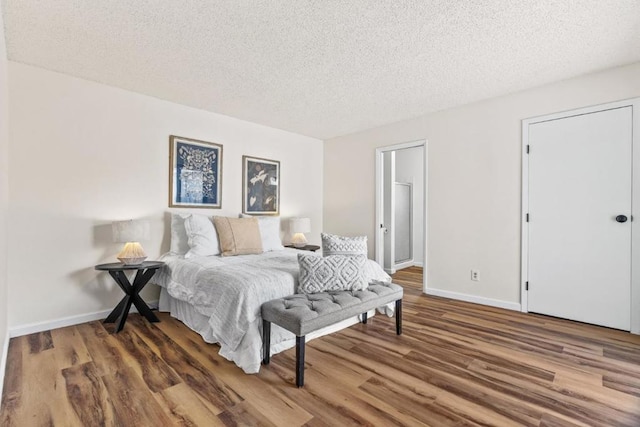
(527, 148)
(526, 286)
(527, 217)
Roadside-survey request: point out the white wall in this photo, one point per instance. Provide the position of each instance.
(84, 154)
(4, 197)
(409, 169)
(474, 177)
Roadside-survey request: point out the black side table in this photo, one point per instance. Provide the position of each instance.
(311, 248)
(145, 272)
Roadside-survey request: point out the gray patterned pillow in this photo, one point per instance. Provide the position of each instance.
(332, 273)
(339, 245)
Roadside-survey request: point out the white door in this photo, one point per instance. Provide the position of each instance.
(579, 264)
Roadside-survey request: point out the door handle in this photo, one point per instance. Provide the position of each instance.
(621, 218)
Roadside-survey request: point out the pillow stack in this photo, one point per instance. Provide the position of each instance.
(341, 268)
(194, 235)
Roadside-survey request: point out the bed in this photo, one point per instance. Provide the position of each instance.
(220, 298)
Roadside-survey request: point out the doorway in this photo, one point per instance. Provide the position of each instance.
(401, 206)
(577, 216)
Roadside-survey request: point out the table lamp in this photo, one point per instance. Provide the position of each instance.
(131, 233)
(299, 226)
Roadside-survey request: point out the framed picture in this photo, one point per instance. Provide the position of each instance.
(195, 173)
(260, 186)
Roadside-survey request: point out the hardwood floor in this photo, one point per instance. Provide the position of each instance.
(456, 364)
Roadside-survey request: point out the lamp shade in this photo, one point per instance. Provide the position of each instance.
(130, 231)
(300, 225)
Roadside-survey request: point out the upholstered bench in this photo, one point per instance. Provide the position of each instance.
(306, 313)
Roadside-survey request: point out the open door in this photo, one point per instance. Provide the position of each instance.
(386, 229)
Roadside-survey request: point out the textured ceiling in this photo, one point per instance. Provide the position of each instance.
(323, 68)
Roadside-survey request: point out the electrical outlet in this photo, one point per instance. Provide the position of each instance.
(475, 275)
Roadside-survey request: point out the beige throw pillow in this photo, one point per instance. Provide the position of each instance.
(238, 236)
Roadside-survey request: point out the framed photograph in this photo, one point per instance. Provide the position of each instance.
(195, 173)
(260, 186)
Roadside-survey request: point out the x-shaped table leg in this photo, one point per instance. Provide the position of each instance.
(132, 297)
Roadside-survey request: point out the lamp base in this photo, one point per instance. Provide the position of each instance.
(299, 240)
(132, 261)
(132, 254)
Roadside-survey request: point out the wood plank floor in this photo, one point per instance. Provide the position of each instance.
(456, 364)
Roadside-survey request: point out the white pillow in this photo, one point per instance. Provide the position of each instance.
(269, 232)
(331, 273)
(202, 235)
(179, 239)
(374, 273)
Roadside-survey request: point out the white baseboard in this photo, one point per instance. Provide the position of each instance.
(3, 360)
(474, 299)
(32, 328)
(405, 264)
(402, 265)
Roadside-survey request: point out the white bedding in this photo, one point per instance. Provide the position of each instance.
(229, 291)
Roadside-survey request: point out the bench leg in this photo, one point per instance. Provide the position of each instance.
(364, 317)
(300, 361)
(266, 342)
(399, 317)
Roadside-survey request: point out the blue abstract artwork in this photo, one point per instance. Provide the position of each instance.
(195, 173)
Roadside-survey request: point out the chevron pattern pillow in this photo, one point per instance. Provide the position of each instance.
(339, 245)
(331, 273)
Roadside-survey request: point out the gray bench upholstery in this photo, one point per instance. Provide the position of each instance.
(305, 313)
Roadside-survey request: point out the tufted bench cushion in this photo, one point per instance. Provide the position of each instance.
(305, 313)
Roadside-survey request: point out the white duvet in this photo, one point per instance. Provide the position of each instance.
(229, 291)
